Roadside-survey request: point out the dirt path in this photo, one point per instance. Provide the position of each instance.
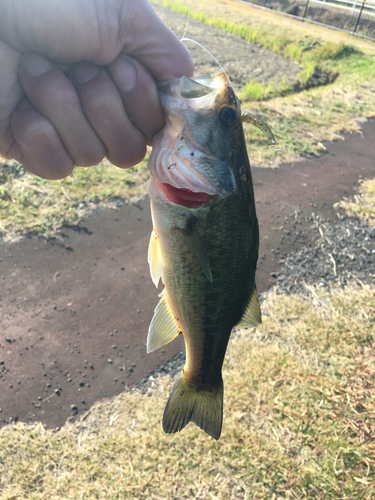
(75, 310)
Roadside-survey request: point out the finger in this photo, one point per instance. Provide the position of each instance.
(153, 44)
(54, 96)
(139, 95)
(10, 94)
(103, 107)
(38, 146)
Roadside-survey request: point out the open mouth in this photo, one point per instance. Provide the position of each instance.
(185, 197)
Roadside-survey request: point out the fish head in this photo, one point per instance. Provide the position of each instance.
(200, 151)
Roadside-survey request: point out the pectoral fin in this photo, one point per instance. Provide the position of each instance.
(252, 315)
(197, 247)
(163, 327)
(154, 258)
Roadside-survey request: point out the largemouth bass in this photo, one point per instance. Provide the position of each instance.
(204, 244)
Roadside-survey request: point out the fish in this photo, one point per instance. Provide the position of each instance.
(205, 239)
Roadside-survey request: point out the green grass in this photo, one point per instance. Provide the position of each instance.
(31, 204)
(299, 421)
(255, 91)
(354, 66)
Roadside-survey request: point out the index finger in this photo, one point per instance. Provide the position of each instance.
(155, 45)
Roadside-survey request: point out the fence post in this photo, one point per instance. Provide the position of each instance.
(359, 16)
(305, 11)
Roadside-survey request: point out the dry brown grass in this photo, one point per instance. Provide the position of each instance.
(298, 421)
(303, 122)
(363, 204)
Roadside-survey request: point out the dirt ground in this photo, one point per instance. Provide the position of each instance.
(75, 309)
(243, 60)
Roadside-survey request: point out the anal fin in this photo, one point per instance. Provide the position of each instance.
(163, 327)
(154, 258)
(252, 315)
(197, 247)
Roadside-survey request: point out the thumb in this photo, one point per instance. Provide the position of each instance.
(152, 43)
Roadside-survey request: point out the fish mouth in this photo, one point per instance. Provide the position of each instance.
(197, 86)
(183, 196)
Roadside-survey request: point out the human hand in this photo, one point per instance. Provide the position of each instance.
(77, 81)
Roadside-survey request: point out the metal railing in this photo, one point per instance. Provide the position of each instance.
(353, 16)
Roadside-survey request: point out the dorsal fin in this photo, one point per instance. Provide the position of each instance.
(252, 315)
(197, 247)
(154, 258)
(163, 327)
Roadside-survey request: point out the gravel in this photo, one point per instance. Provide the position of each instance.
(344, 253)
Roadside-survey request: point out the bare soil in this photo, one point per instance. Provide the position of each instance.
(75, 309)
(243, 60)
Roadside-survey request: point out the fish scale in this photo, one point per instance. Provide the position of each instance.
(232, 252)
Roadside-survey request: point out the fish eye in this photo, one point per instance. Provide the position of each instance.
(228, 116)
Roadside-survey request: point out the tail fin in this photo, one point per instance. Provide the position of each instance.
(187, 403)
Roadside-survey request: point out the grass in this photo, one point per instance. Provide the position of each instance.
(31, 204)
(298, 421)
(255, 91)
(363, 204)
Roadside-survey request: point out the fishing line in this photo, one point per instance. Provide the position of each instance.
(209, 53)
(246, 116)
(187, 22)
(184, 38)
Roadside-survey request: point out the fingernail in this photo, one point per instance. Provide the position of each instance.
(84, 72)
(124, 73)
(35, 65)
